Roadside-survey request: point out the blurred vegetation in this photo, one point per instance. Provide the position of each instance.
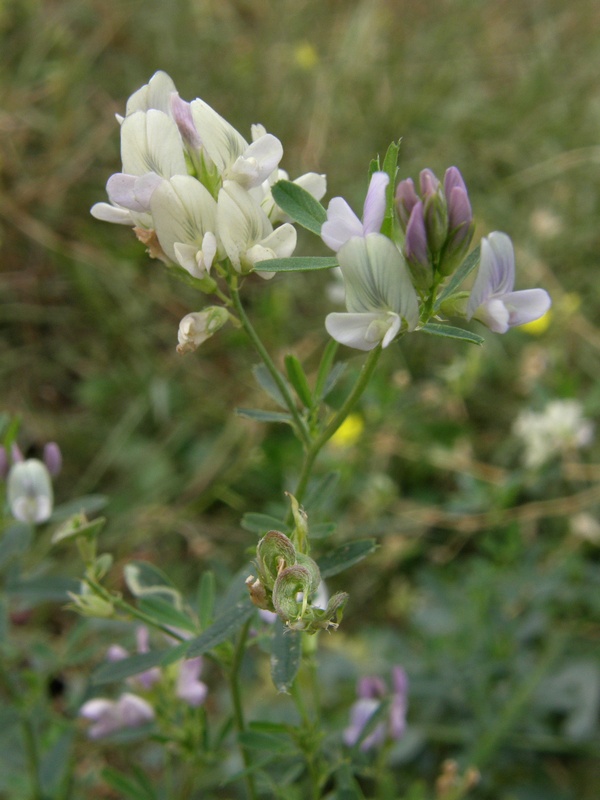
(486, 583)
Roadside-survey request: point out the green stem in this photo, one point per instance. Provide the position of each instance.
(238, 711)
(299, 424)
(336, 421)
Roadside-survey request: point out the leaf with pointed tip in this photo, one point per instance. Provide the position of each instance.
(300, 205)
(261, 523)
(259, 415)
(297, 264)
(346, 556)
(450, 332)
(267, 382)
(222, 628)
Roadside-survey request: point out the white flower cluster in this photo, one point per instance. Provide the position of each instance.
(195, 191)
(560, 427)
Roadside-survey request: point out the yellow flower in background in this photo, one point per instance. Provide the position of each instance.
(538, 326)
(349, 431)
(306, 56)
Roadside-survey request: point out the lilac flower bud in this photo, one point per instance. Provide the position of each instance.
(415, 248)
(16, 454)
(453, 180)
(182, 114)
(399, 704)
(110, 716)
(53, 458)
(406, 200)
(429, 183)
(4, 465)
(460, 221)
(435, 211)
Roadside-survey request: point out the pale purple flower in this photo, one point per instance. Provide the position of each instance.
(342, 223)
(189, 688)
(492, 300)
(148, 677)
(110, 716)
(371, 691)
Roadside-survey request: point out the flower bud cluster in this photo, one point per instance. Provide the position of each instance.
(287, 582)
(196, 192)
(438, 225)
(396, 259)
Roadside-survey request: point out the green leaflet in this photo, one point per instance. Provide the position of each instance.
(300, 205)
(451, 332)
(296, 264)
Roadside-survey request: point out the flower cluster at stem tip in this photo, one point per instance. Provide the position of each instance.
(391, 281)
(198, 194)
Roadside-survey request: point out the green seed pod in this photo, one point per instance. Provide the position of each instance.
(274, 553)
(289, 583)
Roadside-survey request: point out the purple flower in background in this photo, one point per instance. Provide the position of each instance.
(492, 300)
(371, 691)
(189, 688)
(110, 716)
(145, 679)
(342, 223)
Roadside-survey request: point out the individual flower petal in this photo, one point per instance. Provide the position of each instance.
(150, 142)
(220, 139)
(155, 94)
(342, 223)
(106, 212)
(363, 331)
(241, 223)
(376, 278)
(374, 208)
(183, 211)
(257, 162)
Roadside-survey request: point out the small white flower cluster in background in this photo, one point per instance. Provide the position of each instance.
(197, 193)
(560, 427)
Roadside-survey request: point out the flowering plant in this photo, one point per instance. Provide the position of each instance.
(216, 209)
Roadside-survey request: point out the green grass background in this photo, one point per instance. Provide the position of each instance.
(467, 598)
